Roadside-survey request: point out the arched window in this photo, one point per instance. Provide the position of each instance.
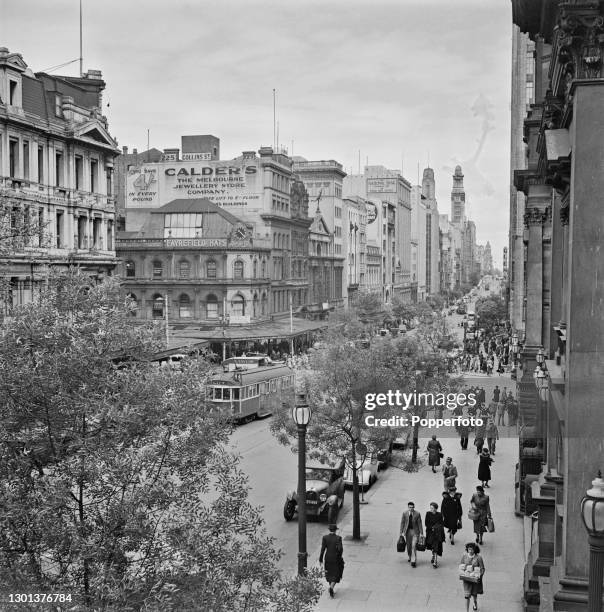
(211, 307)
(238, 305)
(238, 270)
(263, 269)
(211, 269)
(158, 269)
(133, 305)
(184, 306)
(255, 268)
(130, 269)
(318, 249)
(255, 305)
(158, 306)
(184, 269)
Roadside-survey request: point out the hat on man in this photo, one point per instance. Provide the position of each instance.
(333, 528)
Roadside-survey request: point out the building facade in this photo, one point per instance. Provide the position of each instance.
(355, 245)
(523, 95)
(563, 223)
(56, 178)
(432, 232)
(458, 197)
(419, 215)
(200, 262)
(260, 190)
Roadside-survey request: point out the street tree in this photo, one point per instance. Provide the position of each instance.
(370, 307)
(403, 310)
(340, 380)
(115, 482)
(490, 310)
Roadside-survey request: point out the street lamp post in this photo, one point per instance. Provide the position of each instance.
(592, 514)
(301, 414)
(542, 384)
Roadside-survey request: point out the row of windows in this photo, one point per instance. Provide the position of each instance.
(184, 269)
(280, 204)
(280, 241)
(19, 160)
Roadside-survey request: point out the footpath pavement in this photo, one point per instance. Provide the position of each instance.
(378, 579)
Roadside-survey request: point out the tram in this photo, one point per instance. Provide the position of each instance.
(248, 362)
(245, 395)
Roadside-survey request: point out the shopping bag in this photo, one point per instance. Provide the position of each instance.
(490, 525)
(421, 543)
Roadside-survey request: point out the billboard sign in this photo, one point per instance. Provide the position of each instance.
(231, 184)
(381, 185)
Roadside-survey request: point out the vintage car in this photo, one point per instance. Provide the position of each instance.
(324, 493)
(367, 473)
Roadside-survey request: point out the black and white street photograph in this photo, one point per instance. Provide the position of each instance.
(301, 306)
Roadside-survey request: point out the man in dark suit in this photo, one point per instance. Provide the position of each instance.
(412, 528)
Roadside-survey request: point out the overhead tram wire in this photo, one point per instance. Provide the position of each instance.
(61, 65)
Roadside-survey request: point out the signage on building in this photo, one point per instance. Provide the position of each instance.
(195, 242)
(231, 184)
(381, 185)
(371, 212)
(196, 156)
(166, 157)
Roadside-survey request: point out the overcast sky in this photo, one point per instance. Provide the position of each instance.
(401, 81)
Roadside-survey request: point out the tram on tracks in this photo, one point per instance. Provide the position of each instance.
(248, 394)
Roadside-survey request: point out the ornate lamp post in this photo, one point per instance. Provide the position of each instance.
(542, 384)
(301, 414)
(515, 347)
(592, 513)
(540, 357)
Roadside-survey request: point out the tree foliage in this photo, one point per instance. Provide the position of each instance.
(490, 310)
(115, 484)
(370, 307)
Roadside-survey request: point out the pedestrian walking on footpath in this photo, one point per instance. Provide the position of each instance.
(492, 434)
(435, 533)
(484, 467)
(496, 394)
(479, 435)
(434, 452)
(449, 474)
(452, 512)
(333, 551)
(411, 529)
(472, 559)
(464, 434)
(480, 512)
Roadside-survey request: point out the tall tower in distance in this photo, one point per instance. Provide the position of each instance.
(458, 198)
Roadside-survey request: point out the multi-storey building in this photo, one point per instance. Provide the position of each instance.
(458, 197)
(450, 254)
(432, 232)
(56, 177)
(419, 214)
(469, 246)
(394, 193)
(355, 245)
(259, 190)
(523, 95)
(562, 183)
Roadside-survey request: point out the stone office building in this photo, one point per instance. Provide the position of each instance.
(562, 182)
(56, 177)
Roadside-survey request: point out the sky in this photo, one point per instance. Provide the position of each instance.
(398, 83)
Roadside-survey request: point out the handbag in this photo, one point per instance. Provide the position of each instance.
(458, 523)
(440, 455)
(401, 544)
(490, 525)
(473, 514)
(421, 543)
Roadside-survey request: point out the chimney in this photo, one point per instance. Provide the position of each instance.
(125, 150)
(135, 151)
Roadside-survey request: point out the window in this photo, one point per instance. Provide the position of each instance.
(183, 225)
(238, 305)
(109, 178)
(184, 269)
(211, 307)
(26, 159)
(157, 311)
(82, 235)
(263, 269)
(41, 225)
(97, 238)
(255, 268)
(238, 270)
(110, 235)
(94, 175)
(40, 164)
(13, 157)
(130, 269)
(79, 171)
(58, 106)
(184, 306)
(59, 229)
(158, 269)
(58, 168)
(12, 92)
(211, 269)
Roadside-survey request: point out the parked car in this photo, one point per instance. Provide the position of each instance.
(384, 455)
(461, 309)
(324, 493)
(367, 472)
(401, 442)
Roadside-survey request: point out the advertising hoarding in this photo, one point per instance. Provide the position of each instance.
(231, 184)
